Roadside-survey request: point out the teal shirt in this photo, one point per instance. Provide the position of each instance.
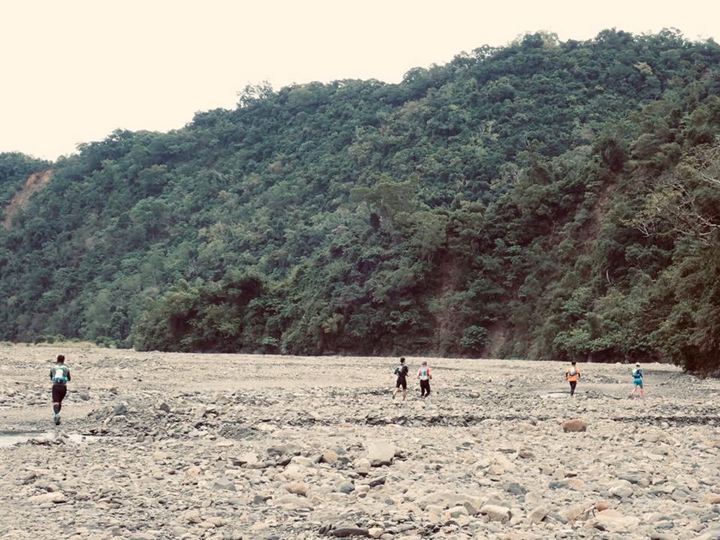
(60, 374)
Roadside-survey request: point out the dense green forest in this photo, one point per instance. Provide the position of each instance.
(546, 199)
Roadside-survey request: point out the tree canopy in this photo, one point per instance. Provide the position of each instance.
(546, 199)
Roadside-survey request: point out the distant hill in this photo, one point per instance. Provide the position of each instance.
(546, 199)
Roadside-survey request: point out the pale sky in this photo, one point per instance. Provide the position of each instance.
(75, 70)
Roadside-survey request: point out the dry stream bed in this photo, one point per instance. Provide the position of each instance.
(179, 446)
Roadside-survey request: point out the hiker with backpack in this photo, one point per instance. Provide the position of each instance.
(60, 376)
(424, 374)
(401, 372)
(572, 374)
(638, 381)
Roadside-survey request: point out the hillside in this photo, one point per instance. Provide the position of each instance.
(547, 200)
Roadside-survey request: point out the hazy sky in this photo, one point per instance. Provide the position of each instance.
(72, 71)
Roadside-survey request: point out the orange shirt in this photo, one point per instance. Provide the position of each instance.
(575, 377)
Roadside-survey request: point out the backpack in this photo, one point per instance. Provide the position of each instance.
(637, 374)
(572, 371)
(59, 375)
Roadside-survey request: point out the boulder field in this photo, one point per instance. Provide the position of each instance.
(160, 446)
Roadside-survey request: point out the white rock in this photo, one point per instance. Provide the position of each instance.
(456, 511)
(54, 497)
(621, 488)
(538, 514)
(571, 513)
(380, 452)
(298, 488)
(192, 516)
(496, 513)
(612, 521)
(362, 465)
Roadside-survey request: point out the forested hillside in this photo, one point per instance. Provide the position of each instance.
(546, 200)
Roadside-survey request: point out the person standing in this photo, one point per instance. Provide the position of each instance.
(425, 375)
(638, 381)
(60, 376)
(402, 372)
(572, 374)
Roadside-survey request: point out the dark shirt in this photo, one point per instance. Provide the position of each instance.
(401, 371)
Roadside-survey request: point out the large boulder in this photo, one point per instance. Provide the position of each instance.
(380, 453)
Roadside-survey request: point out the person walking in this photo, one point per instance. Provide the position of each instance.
(60, 376)
(402, 372)
(572, 374)
(638, 381)
(425, 375)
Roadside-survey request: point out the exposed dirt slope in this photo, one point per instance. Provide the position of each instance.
(32, 185)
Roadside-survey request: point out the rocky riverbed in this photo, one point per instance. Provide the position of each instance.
(258, 447)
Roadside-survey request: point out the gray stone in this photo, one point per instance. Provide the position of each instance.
(379, 481)
(525, 453)
(516, 489)
(120, 409)
(224, 484)
(261, 499)
(346, 487)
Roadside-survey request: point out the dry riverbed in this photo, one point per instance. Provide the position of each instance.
(181, 446)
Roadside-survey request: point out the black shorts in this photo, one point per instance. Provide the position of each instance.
(58, 392)
(401, 382)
